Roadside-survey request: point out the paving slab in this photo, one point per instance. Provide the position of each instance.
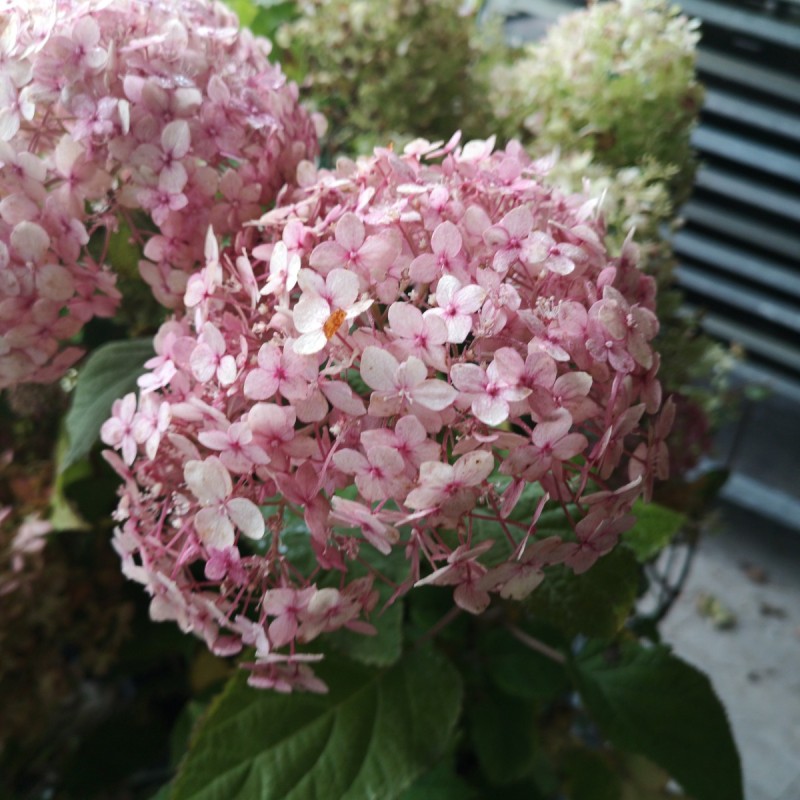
(751, 567)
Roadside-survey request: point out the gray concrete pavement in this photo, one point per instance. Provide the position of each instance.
(752, 568)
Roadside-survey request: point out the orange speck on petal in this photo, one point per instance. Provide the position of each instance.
(333, 322)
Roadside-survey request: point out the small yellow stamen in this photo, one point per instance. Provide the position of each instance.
(333, 322)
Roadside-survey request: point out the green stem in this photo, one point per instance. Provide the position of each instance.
(535, 644)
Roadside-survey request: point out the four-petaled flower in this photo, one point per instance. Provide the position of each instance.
(493, 389)
(396, 385)
(210, 482)
(325, 304)
(442, 483)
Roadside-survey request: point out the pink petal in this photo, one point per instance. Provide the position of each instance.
(203, 362)
(446, 239)
(468, 378)
(350, 232)
(423, 268)
(260, 385)
(518, 222)
(446, 290)
(551, 430)
(520, 585)
(472, 599)
(327, 256)
(458, 328)
(30, 241)
(405, 320)
(379, 252)
(341, 396)
(350, 461)
(470, 298)
(226, 372)
(215, 440)
(176, 138)
(570, 445)
(387, 459)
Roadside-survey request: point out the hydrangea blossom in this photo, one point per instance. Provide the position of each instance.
(160, 116)
(379, 426)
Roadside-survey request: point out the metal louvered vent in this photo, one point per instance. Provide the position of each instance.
(740, 248)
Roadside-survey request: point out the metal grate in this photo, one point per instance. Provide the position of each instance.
(739, 250)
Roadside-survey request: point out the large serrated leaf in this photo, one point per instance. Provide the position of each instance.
(369, 737)
(596, 603)
(502, 730)
(655, 528)
(440, 783)
(109, 373)
(518, 671)
(648, 701)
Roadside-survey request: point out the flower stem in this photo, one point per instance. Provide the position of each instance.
(535, 644)
(434, 630)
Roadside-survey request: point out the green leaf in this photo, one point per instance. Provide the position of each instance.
(380, 650)
(272, 15)
(385, 647)
(654, 529)
(63, 515)
(440, 783)
(648, 701)
(370, 736)
(589, 776)
(596, 603)
(264, 17)
(520, 671)
(246, 10)
(109, 373)
(502, 731)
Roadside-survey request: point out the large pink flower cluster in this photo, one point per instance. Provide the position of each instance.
(397, 356)
(158, 113)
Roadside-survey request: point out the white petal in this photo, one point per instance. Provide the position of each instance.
(247, 517)
(209, 480)
(310, 343)
(214, 528)
(343, 286)
(378, 369)
(310, 314)
(473, 468)
(490, 410)
(434, 394)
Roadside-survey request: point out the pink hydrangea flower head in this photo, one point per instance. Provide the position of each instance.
(113, 111)
(406, 375)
